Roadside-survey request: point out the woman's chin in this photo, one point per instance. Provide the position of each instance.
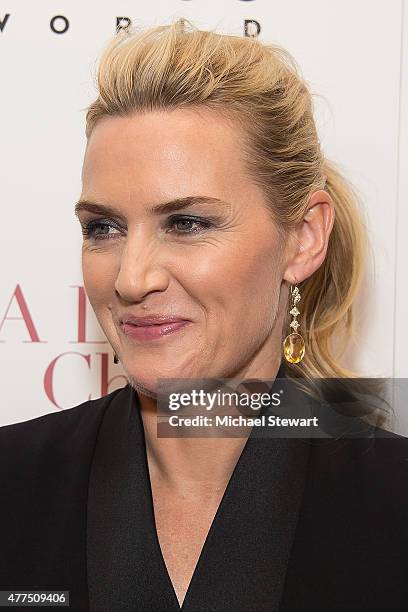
(143, 387)
(162, 384)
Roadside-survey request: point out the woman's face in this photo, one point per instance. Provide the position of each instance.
(217, 263)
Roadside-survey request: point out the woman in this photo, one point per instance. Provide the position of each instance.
(205, 197)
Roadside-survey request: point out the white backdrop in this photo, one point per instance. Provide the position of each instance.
(353, 53)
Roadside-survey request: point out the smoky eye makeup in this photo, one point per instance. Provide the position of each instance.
(100, 229)
(180, 224)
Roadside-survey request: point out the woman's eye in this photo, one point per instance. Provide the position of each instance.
(99, 230)
(188, 225)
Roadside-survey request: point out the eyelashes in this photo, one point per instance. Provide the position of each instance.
(100, 229)
(89, 230)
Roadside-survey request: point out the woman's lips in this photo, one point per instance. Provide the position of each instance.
(152, 332)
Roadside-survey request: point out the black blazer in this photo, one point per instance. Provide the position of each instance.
(304, 525)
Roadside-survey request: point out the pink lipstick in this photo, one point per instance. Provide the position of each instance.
(151, 327)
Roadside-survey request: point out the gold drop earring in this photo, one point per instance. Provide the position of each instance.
(294, 345)
(115, 358)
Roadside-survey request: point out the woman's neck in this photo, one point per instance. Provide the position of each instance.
(188, 464)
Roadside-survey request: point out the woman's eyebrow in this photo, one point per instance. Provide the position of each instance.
(159, 209)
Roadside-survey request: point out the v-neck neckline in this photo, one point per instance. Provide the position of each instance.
(213, 525)
(224, 499)
(126, 566)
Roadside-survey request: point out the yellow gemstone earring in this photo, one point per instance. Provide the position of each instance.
(115, 358)
(294, 345)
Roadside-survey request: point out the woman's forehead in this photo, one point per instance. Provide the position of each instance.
(158, 156)
(173, 136)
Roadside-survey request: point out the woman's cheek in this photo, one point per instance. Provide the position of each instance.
(98, 273)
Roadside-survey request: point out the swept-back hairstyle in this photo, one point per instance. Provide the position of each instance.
(260, 87)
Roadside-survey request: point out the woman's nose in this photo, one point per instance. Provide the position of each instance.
(141, 269)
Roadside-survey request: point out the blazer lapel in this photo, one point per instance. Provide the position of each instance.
(243, 564)
(126, 570)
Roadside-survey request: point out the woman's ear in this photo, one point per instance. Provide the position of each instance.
(310, 239)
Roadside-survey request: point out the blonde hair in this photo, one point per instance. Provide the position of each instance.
(260, 86)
